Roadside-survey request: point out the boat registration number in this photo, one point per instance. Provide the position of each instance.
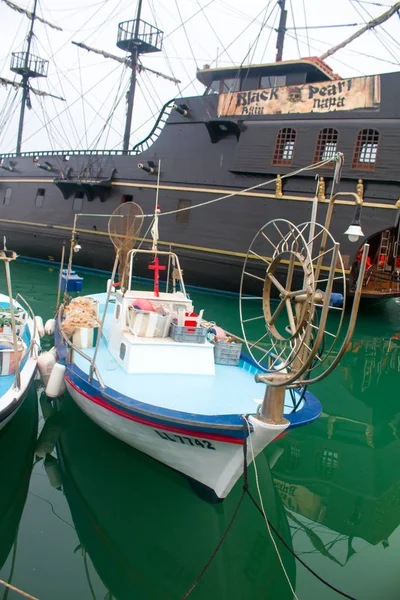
(184, 439)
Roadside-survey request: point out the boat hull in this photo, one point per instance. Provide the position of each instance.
(212, 459)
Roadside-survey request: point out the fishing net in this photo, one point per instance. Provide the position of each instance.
(124, 228)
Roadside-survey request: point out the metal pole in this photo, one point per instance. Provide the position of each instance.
(14, 332)
(71, 252)
(132, 87)
(93, 361)
(25, 79)
(60, 276)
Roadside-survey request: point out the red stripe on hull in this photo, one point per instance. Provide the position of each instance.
(148, 423)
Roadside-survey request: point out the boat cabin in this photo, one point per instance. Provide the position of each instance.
(155, 331)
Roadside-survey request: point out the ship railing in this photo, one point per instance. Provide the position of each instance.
(172, 260)
(137, 149)
(73, 348)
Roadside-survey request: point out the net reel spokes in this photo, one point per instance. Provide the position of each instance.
(286, 301)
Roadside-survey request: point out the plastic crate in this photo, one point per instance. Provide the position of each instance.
(194, 335)
(227, 353)
(148, 324)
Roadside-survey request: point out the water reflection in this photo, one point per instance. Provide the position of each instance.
(340, 483)
(17, 443)
(149, 533)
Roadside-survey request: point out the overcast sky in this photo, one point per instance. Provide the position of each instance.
(216, 32)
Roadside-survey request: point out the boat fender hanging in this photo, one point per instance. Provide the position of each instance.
(39, 325)
(49, 327)
(53, 471)
(56, 385)
(46, 362)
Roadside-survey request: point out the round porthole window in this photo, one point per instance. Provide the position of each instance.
(117, 311)
(122, 351)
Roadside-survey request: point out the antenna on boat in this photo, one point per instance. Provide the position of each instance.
(298, 342)
(124, 227)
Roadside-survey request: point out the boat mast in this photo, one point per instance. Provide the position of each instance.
(281, 31)
(25, 80)
(136, 37)
(28, 66)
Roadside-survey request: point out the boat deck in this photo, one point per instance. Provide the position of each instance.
(232, 390)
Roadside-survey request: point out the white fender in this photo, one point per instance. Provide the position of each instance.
(39, 325)
(56, 385)
(46, 362)
(50, 326)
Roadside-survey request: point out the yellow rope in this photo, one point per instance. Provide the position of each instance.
(15, 589)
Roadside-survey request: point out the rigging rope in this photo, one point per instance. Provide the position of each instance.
(254, 187)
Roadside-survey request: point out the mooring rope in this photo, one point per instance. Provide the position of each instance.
(264, 514)
(15, 589)
(270, 527)
(218, 546)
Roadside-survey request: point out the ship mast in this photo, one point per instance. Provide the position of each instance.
(136, 37)
(28, 66)
(281, 31)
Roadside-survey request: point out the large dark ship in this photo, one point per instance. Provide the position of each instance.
(256, 140)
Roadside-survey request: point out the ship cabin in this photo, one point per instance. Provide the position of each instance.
(290, 114)
(226, 80)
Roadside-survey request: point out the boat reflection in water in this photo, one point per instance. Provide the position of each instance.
(149, 534)
(340, 483)
(17, 444)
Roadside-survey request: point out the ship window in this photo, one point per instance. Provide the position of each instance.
(40, 197)
(327, 462)
(126, 198)
(269, 81)
(326, 145)
(183, 216)
(78, 202)
(366, 150)
(230, 85)
(7, 196)
(284, 148)
(213, 88)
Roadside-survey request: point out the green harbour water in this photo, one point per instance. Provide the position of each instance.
(100, 520)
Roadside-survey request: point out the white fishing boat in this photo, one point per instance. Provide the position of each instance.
(19, 347)
(141, 364)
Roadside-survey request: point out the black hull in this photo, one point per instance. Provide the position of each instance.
(38, 205)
